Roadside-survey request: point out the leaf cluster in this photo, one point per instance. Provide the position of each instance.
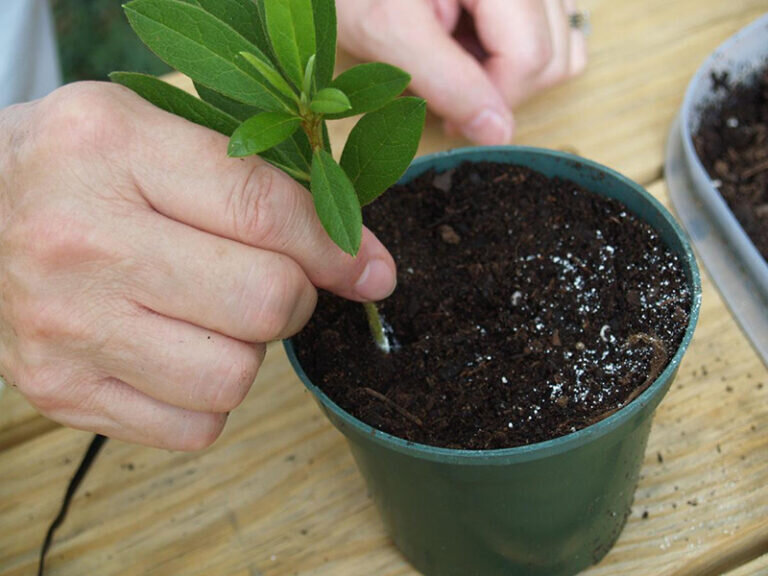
(264, 72)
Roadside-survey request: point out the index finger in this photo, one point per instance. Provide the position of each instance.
(183, 172)
(517, 37)
(408, 34)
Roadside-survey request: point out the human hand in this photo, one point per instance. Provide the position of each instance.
(528, 45)
(141, 270)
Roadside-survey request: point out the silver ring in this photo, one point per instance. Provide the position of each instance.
(580, 21)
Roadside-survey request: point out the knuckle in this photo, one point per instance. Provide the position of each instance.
(38, 321)
(383, 17)
(535, 57)
(250, 203)
(201, 433)
(270, 325)
(41, 316)
(81, 117)
(237, 376)
(51, 238)
(41, 324)
(278, 300)
(44, 325)
(304, 310)
(42, 388)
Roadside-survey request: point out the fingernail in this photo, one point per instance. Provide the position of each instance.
(489, 128)
(376, 282)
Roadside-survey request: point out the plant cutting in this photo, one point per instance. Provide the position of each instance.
(505, 433)
(264, 73)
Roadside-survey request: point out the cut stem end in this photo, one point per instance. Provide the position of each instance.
(377, 327)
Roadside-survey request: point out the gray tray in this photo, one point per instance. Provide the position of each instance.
(733, 261)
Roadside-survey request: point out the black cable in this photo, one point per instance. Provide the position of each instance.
(82, 470)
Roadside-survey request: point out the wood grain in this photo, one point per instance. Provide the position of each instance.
(278, 494)
(758, 567)
(19, 422)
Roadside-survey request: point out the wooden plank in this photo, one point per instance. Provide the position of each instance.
(279, 494)
(757, 567)
(751, 543)
(19, 421)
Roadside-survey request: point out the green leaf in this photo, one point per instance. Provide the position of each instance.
(273, 76)
(232, 107)
(201, 46)
(176, 101)
(242, 16)
(262, 132)
(336, 202)
(382, 145)
(294, 156)
(291, 28)
(299, 176)
(327, 139)
(330, 101)
(325, 31)
(370, 86)
(309, 74)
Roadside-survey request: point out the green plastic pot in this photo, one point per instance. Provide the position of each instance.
(551, 508)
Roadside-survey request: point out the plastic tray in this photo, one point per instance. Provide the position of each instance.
(737, 268)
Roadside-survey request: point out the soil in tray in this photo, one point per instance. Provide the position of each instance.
(732, 143)
(526, 308)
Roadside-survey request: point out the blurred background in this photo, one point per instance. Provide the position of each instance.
(94, 39)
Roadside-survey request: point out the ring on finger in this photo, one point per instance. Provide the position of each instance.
(580, 21)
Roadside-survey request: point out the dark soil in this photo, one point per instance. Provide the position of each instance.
(527, 308)
(732, 143)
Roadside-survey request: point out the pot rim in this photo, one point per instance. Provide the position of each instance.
(560, 444)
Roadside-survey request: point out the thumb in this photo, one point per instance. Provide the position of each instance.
(408, 34)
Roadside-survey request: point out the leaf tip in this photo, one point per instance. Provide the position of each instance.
(234, 150)
(247, 56)
(351, 250)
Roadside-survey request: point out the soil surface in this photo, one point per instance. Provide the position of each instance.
(527, 308)
(732, 143)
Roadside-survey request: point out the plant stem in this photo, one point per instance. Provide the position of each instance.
(313, 126)
(376, 326)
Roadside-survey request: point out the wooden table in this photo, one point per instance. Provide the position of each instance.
(279, 495)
